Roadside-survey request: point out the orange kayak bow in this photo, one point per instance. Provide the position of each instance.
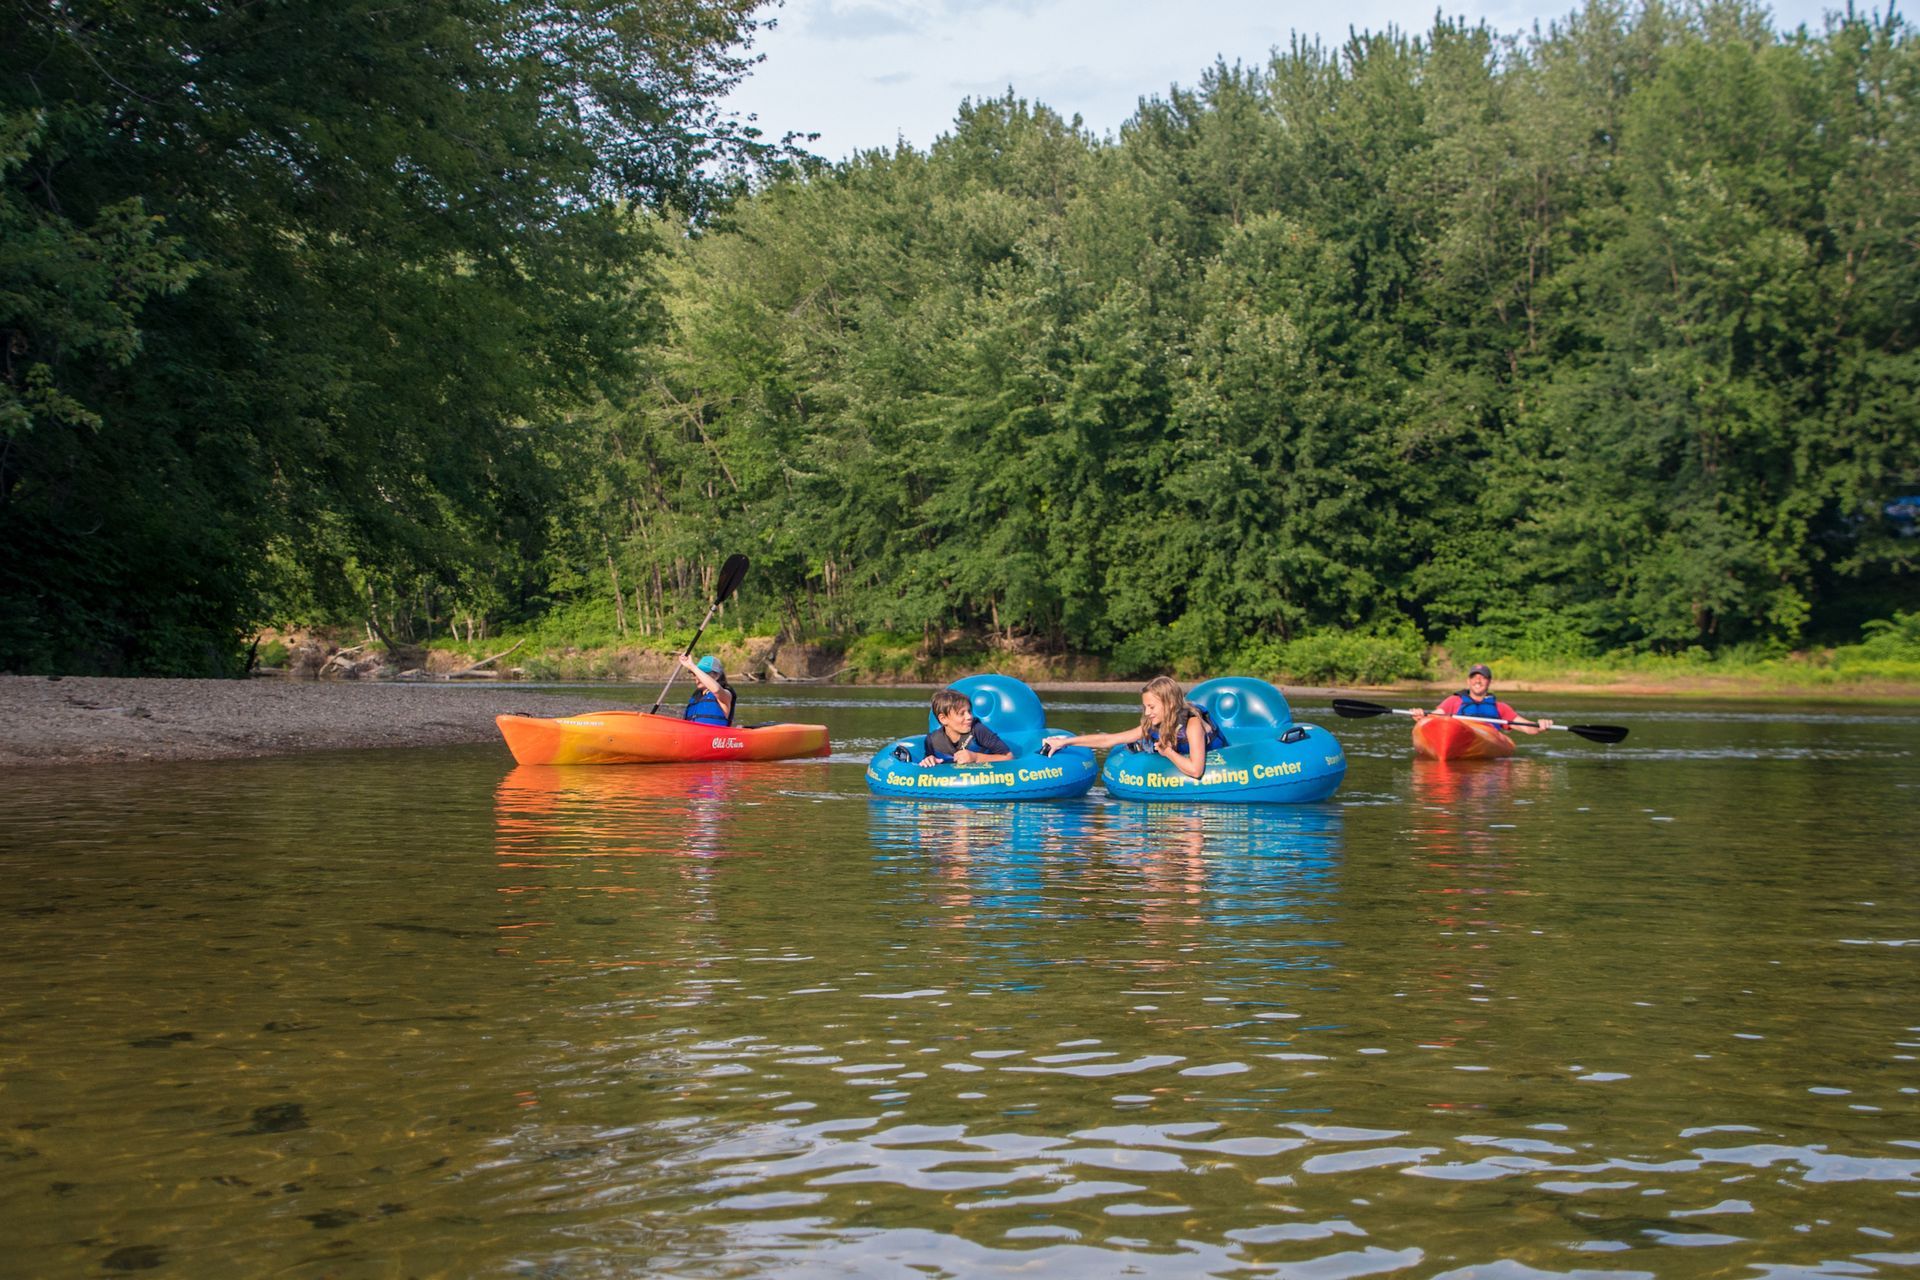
(1459, 738)
(639, 737)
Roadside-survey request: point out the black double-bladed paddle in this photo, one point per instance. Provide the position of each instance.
(730, 574)
(1355, 709)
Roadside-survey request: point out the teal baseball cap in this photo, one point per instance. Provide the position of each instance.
(710, 665)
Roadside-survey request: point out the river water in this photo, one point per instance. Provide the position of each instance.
(1651, 1009)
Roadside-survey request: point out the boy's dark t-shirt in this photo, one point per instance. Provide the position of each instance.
(981, 739)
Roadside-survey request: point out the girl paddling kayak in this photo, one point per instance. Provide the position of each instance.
(712, 702)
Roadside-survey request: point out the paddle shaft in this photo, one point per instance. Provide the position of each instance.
(1354, 708)
(1448, 715)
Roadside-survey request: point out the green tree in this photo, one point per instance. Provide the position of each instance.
(1602, 334)
(362, 256)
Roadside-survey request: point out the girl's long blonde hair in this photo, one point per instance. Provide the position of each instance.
(1171, 698)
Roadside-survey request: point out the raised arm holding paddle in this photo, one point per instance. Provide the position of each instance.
(730, 574)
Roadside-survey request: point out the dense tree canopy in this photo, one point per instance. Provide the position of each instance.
(287, 288)
(1607, 333)
(1604, 334)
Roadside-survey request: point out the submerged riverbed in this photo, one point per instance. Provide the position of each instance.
(1648, 1009)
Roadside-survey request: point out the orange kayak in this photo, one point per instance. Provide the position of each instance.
(1459, 738)
(637, 737)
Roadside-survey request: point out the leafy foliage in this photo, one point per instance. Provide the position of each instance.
(294, 297)
(1595, 341)
(1584, 340)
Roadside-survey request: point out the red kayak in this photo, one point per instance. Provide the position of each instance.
(1459, 738)
(639, 737)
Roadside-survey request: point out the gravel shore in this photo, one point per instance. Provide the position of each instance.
(88, 720)
(80, 720)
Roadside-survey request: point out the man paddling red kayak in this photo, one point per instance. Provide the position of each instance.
(1476, 701)
(1467, 725)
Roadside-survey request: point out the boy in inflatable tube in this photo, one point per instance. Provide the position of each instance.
(961, 739)
(1169, 727)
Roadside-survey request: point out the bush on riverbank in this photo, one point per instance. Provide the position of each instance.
(1330, 656)
(1887, 653)
(1885, 662)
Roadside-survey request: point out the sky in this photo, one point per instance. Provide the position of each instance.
(868, 73)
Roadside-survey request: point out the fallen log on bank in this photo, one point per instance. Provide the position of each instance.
(475, 669)
(783, 678)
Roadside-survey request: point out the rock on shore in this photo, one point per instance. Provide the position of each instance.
(88, 720)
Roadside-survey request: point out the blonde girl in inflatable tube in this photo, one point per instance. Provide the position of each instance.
(1169, 726)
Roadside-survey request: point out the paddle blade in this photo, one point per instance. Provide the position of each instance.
(730, 574)
(1598, 732)
(1355, 709)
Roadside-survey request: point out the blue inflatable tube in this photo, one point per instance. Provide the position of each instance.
(1013, 711)
(1268, 758)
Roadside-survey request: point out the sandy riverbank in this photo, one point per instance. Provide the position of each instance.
(88, 720)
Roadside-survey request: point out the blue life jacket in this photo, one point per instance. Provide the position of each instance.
(1487, 708)
(980, 738)
(1215, 739)
(704, 708)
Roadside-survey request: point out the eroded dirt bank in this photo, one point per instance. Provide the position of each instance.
(90, 720)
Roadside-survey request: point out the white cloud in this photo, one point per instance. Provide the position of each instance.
(861, 22)
(863, 73)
